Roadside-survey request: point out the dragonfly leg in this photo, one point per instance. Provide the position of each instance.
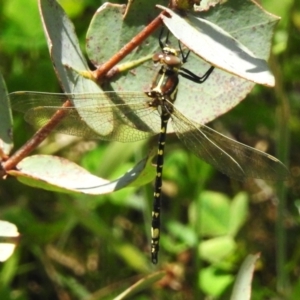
(193, 77)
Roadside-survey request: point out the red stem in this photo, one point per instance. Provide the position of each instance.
(36, 139)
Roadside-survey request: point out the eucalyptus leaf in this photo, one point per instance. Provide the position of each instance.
(201, 103)
(6, 123)
(8, 239)
(58, 174)
(218, 47)
(65, 52)
(223, 91)
(109, 32)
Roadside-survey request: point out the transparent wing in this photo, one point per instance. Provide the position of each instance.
(230, 157)
(128, 114)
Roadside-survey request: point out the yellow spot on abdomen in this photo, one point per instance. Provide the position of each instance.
(154, 233)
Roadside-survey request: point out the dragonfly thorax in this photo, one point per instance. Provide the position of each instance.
(165, 84)
(162, 104)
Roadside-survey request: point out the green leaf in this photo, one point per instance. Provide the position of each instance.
(238, 213)
(211, 213)
(133, 256)
(74, 285)
(95, 223)
(58, 174)
(215, 214)
(216, 249)
(20, 34)
(183, 232)
(6, 123)
(213, 281)
(9, 271)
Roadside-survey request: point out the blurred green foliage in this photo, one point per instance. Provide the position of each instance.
(84, 247)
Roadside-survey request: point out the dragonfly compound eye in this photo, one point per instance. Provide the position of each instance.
(172, 61)
(158, 57)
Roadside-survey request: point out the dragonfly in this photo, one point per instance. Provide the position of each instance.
(132, 116)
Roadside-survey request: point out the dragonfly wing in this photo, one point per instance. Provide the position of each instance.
(232, 158)
(71, 123)
(23, 101)
(119, 121)
(28, 102)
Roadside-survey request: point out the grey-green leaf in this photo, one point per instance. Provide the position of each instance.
(68, 60)
(6, 123)
(218, 47)
(242, 285)
(109, 32)
(201, 103)
(58, 174)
